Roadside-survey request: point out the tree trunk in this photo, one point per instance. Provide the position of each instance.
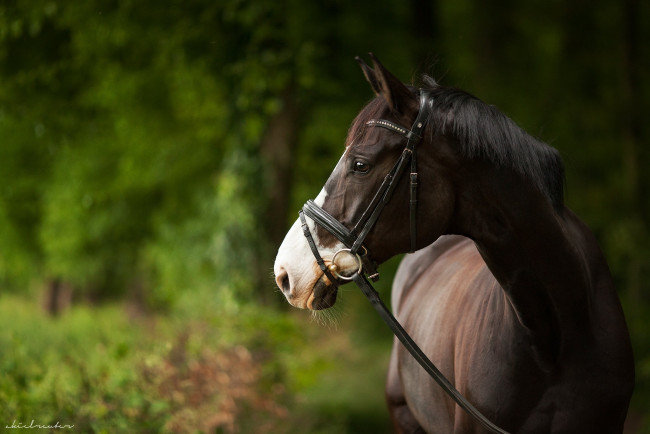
(277, 146)
(58, 296)
(277, 149)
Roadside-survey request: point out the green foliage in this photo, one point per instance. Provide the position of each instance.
(243, 370)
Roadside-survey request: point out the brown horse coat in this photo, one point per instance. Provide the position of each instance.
(449, 301)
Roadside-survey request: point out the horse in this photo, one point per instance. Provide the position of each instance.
(508, 292)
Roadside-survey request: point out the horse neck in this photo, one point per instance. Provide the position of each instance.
(538, 253)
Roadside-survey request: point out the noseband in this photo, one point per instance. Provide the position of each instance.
(353, 240)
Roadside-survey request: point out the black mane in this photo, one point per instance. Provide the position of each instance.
(484, 132)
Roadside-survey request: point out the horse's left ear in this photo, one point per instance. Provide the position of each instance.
(396, 94)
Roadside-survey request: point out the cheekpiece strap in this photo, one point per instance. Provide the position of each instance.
(314, 249)
(413, 136)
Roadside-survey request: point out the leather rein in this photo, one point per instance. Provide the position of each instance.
(353, 240)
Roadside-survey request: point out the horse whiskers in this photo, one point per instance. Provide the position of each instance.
(328, 318)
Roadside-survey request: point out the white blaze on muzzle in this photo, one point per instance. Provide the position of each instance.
(295, 267)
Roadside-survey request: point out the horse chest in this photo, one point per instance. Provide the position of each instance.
(485, 359)
(463, 321)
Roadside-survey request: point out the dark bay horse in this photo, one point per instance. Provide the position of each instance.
(509, 294)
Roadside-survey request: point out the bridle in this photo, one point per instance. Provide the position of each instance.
(353, 240)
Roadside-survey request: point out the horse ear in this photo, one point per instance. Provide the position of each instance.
(370, 75)
(396, 94)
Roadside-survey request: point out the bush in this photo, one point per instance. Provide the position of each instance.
(247, 370)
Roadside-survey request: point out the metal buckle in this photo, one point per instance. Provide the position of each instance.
(333, 268)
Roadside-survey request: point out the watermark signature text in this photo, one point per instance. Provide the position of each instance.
(33, 424)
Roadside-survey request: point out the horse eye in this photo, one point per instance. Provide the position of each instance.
(361, 167)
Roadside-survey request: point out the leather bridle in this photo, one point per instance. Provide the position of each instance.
(353, 240)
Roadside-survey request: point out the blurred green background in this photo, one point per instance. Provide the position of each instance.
(153, 154)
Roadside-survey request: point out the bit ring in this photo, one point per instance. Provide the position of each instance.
(333, 268)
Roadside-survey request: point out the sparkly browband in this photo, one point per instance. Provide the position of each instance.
(393, 127)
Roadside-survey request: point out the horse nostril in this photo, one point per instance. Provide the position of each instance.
(285, 284)
(282, 280)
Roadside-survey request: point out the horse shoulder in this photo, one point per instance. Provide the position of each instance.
(451, 304)
(414, 265)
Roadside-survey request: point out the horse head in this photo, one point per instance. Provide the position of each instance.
(353, 189)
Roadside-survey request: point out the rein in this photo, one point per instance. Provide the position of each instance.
(353, 240)
(406, 340)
